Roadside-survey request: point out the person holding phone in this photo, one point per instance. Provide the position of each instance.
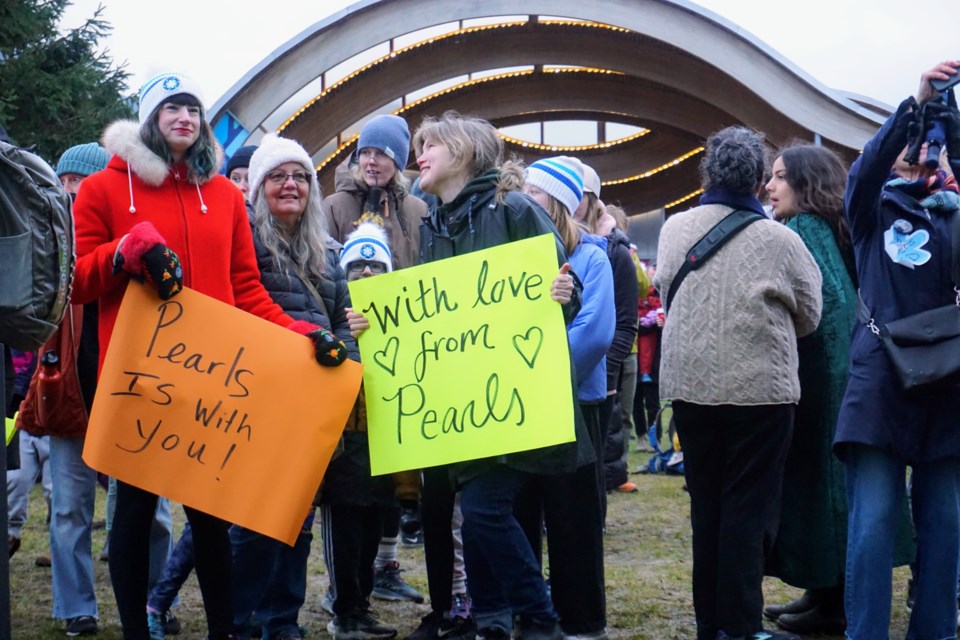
(900, 218)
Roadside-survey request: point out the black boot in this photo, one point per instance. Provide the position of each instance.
(815, 621)
(805, 602)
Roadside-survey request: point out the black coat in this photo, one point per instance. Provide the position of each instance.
(913, 427)
(473, 221)
(625, 295)
(295, 298)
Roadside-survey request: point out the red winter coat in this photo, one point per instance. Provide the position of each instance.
(215, 248)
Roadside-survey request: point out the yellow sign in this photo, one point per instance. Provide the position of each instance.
(465, 358)
(11, 428)
(217, 409)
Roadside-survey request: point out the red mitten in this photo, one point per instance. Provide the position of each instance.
(141, 238)
(144, 255)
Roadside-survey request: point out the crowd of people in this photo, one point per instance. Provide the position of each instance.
(789, 422)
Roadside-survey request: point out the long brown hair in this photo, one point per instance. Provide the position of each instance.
(818, 179)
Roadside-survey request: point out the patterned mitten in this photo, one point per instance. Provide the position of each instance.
(161, 268)
(330, 350)
(144, 255)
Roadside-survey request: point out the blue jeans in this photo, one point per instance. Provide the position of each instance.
(164, 593)
(70, 540)
(504, 574)
(270, 578)
(875, 489)
(34, 463)
(71, 516)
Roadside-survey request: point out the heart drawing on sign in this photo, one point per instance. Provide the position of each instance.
(530, 341)
(387, 357)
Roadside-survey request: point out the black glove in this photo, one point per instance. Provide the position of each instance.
(330, 350)
(950, 117)
(915, 137)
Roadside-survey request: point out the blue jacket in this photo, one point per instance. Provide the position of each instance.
(591, 331)
(920, 426)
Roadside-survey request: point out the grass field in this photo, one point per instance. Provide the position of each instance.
(647, 570)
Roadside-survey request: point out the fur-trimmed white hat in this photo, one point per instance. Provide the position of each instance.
(368, 242)
(273, 152)
(158, 89)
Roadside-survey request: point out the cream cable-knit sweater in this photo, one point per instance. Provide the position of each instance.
(731, 333)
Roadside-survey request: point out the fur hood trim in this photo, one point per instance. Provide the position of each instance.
(122, 139)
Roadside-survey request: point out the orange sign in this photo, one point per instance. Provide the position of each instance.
(217, 409)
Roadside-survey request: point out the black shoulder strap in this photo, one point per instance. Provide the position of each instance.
(709, 244)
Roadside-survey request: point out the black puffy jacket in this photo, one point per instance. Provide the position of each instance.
(473, 221)
(295, 298)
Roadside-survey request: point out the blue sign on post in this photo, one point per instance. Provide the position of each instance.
(230, 134)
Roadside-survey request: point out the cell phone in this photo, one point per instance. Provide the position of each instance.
(943, 85)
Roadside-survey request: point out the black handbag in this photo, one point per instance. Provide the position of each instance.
(924, 348)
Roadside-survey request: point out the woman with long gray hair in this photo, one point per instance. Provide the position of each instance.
(729, 365)
(299, 269)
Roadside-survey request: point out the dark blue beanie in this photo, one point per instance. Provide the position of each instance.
(240, 159)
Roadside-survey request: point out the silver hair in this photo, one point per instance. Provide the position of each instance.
(736, 159)
(305, 244)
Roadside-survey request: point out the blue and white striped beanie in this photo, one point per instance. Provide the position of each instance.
(561, 177)
(368, 242)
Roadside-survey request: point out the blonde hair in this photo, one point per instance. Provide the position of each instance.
(591, 219)
(399, 183)
(473, 142)
(568, 229)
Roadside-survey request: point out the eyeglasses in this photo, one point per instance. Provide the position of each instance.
(280, 177)
(357, 266)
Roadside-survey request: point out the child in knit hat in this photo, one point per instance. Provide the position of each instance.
(351, 499)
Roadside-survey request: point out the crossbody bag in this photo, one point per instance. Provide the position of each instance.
(709, 244)
(924, 348)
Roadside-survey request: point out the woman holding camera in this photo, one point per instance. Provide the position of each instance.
(900, 221)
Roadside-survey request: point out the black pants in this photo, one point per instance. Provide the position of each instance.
(390, 519)
(733, 458)
(599, 437)
(570, 505)
(646, 405)
(352, 535)
(436, 509)
(130, 554)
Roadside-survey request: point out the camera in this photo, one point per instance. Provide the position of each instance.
(928, 130)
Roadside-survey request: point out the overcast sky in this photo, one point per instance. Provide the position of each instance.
(876, 48)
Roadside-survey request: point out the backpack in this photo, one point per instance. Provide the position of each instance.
(36, 249)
